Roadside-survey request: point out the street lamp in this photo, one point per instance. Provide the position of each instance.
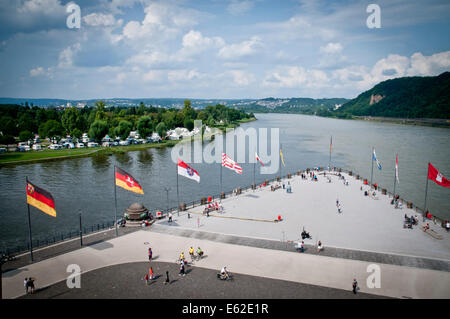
(167, 189)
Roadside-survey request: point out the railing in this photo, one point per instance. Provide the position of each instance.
(49, 240)
(42, 241)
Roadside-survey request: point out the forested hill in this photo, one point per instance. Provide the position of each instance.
(408, 97)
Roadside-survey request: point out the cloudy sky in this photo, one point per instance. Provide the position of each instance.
(216, 48)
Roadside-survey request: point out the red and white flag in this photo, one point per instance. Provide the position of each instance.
(187, 171)
(228, 162)
(258, 159)
(437, 177)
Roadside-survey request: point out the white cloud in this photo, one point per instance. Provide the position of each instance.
(183, 75)
(66, 56)
(331, 48)
(37, 71)
(296, 77)
(237, 50)
(239, 7)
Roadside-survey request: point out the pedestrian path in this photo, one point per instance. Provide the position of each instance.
(395, 281)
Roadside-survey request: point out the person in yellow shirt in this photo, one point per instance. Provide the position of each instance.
(191, 252)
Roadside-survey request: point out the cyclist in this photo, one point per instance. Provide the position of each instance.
(191, 252)
(224, 273)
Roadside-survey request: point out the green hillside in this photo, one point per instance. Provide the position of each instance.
(408, 97)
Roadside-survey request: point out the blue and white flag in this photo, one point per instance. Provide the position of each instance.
(375, 159)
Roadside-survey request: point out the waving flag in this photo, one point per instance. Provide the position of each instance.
(281, 155)
(437, 177)
(375, 159)
(258, 159)
(126, 181)
(228, 162)
(187, 171)
(41, 199)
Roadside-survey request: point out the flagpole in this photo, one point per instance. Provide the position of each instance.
(329, 163)
(178, 192)
(254, 174)
(371, 174)
(29, 229)
(115, 202)
(426, 192)
(220, 195)
(395, 173)
(281, 150)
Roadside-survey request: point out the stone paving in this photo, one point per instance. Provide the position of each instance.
(366, 224)
(199, 283)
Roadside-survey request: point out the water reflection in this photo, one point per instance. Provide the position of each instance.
(123, 158)
(100, 161)
(145, 157)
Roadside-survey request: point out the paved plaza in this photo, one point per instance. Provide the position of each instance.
(260, 252)
(365, 223)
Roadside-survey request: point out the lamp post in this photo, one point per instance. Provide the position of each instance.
(167, 189)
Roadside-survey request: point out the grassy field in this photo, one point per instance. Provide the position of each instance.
(37, 156)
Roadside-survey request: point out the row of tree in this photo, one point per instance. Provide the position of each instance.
(22, 122)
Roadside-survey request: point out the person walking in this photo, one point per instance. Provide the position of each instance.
(146, 279)
(355, 286)
(170, 217)
(151, 273)
(31, 284)
(150, 254)
(182, 270)
(25, 284)
(167, 278)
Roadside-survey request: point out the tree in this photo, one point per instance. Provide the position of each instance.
(189, 124)
(161, 129)
(124, 129)
(76, 133)
(71, 119)
(98, 130)
(145, 126)
(25, 136)
(51, 128)
(100, 113)
(7, 139)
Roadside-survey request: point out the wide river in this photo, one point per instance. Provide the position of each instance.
(86, 185)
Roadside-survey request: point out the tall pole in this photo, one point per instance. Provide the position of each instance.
(281, 150)
(395, 173)
(178, 192)
(371, 174)
(29, 231)
(115, 202)
(254, 174)
(220, 194)
(426, 192)
(29, 226)
(329, 162)
(81, 232)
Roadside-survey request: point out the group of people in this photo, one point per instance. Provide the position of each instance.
(212, 207)
(410, 221)
(29, 284)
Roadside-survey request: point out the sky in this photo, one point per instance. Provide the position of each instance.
(221, 49)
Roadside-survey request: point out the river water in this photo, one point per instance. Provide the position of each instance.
(86, 185)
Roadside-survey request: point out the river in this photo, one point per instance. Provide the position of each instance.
(86, 184)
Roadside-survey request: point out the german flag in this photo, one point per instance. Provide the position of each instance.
(126, 181)
(41, 199)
